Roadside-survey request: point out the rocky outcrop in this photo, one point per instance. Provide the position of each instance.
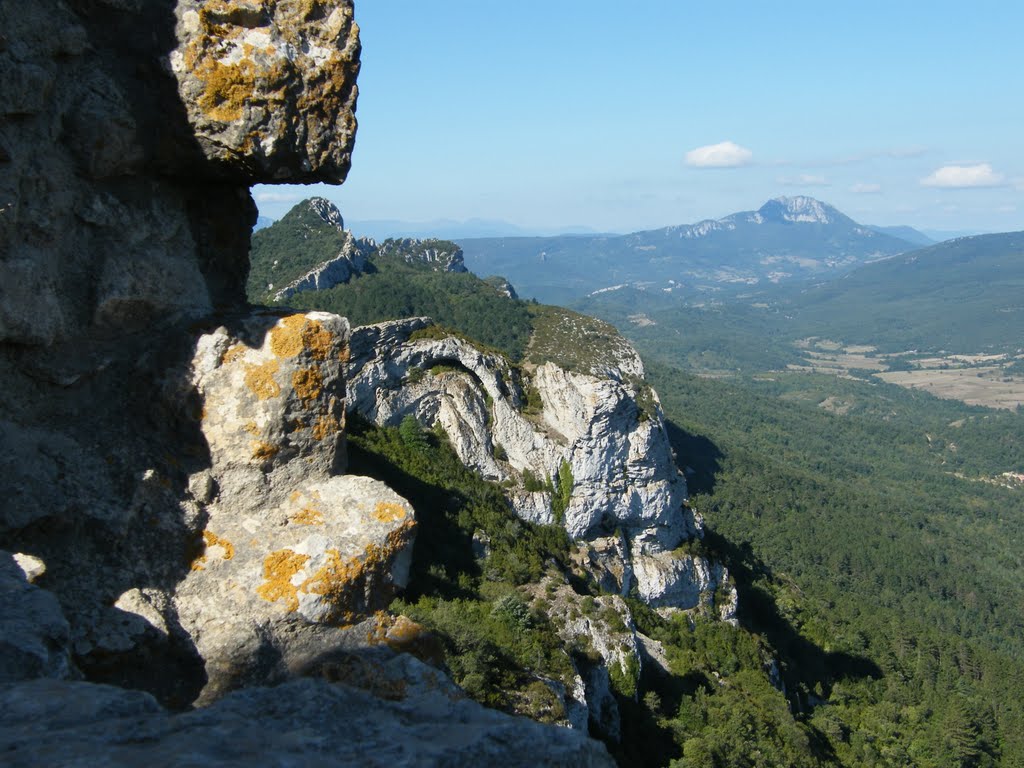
(350, 261)
(604, 649)
(421, 721)
(684, 580)
(129, 135)
(439, 255)
(288, 547)
(33, 632)
(269, 88)
(579, 449)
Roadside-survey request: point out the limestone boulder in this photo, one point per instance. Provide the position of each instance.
(269, 87)
(290, 550)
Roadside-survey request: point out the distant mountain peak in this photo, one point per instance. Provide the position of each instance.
(799, 209)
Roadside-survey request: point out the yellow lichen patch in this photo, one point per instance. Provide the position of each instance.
(307, 516)
(286, 336)
(308, 383)
(251, 428)
(213, 540)
(263, 451)
(298, 332)
(210, 539)
(279, 568)
(325, 426)
(317, 339)
(388, 512)
(402, 634)
(260, 380)
(334, 577)
(227, 87)
(235, 352)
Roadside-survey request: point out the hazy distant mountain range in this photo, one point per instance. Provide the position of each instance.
(450, 229)
(788, 238)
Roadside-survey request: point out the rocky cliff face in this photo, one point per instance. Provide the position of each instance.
(130, 134)
(587, 450)
(172, 463)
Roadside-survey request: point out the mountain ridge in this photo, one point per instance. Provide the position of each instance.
(786, 239)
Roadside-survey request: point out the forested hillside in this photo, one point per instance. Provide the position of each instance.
(879, 542)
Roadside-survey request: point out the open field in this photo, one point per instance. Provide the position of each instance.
(973, 379)
(985, 385)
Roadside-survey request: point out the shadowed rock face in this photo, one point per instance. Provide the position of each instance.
(130, 133)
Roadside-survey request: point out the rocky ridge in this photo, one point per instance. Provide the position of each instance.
(173, 462)
(354, 254)
(572, 448)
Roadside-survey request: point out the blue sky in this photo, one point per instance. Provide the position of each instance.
(621, 117)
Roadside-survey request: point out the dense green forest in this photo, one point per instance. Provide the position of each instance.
(889, 586)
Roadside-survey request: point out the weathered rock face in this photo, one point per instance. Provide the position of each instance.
(269, 87)
(590, 429)
(169, 460)
(604, 641)
(306, 722)
(33, 631)
(350, 261)
(675, 580)
(437, 254)
(129, 134)
(288, 547)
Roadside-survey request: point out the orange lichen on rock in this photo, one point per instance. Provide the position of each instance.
(308, 383)
(286, 337)
(317, 339)
(235, 352)
(213, 540)
(307, 516)
(263, 451)
(260, 380)
(279, 568)
(228, 88)
(402, 634)
(325, 426)
(210, 539)
(343, 582)
(296, 333)
(388, 512)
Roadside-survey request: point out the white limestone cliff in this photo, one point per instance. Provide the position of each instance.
(585, 450)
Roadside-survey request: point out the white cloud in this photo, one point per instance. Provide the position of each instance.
(866, 189)
(963, 177)
(724, 155)
(804, 180)
(279, 197)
